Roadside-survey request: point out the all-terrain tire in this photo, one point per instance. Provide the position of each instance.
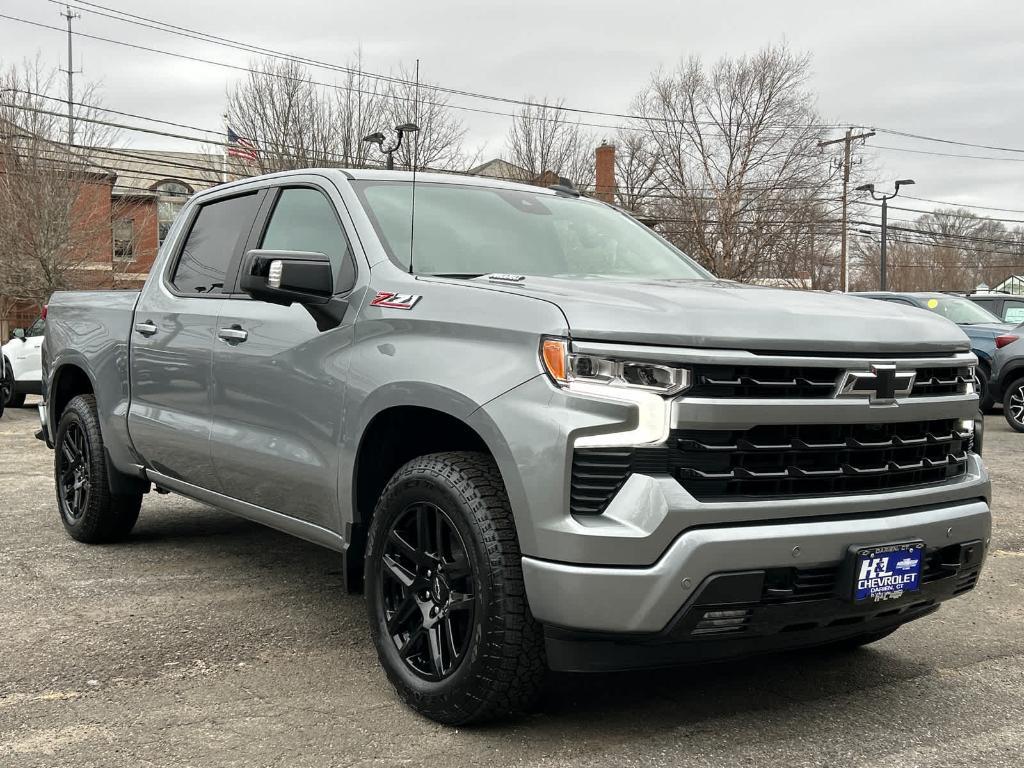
(504, 668)
(985, 399)
(95, 515)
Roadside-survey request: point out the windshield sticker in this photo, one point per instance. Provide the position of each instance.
(389, 300)
(933, 303)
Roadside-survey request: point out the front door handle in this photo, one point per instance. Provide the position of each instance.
(235, 334)
(147, 328)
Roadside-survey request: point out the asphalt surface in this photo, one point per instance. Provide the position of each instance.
(206, 640)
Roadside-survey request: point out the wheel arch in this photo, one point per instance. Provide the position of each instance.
(398, 430)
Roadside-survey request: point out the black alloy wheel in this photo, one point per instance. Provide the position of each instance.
(73, 474)
(427, 594)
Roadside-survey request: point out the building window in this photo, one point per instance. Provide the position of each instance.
(171, 199)
(124, 239)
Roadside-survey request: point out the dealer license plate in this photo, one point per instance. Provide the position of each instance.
(887, 572)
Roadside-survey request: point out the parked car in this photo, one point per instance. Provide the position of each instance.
(980, 325)
(22, 359)
(537, 433)
(1008, 379)
(1006, 306)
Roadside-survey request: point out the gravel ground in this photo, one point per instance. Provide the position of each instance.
(207, 640)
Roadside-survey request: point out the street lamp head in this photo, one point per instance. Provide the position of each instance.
(866, 188)
(903, 183)
(407, 128)
(375, 138)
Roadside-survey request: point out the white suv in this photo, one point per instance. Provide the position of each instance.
(23, 364)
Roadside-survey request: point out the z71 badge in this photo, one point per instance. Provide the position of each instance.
(389, 300)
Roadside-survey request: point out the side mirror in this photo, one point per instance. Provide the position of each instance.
(287, 277)
(18, 333)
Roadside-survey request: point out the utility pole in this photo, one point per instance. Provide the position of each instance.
(67, 14)
(847, 141)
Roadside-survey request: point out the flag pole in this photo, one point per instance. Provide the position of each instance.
(224, 161)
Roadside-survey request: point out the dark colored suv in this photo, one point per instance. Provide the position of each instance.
(980, 325)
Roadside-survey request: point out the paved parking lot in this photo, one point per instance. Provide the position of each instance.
(207, 640)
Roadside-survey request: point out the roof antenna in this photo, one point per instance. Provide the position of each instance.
(414, 128)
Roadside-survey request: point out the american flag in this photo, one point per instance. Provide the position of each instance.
(239, 146)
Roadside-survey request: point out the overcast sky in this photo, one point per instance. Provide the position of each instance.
(935, 68)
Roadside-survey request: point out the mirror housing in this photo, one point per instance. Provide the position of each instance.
(18, 333)
(287, 277)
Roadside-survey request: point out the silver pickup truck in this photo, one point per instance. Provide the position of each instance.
(538, 435)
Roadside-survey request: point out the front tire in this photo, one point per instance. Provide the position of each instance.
(445, 595)
(1013, 405)
(89, 511)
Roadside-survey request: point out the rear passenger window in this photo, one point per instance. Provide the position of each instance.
(304, 220)
(215, 236)
(1013, 311)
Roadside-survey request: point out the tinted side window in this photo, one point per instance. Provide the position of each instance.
(305, 220)
(213, 240)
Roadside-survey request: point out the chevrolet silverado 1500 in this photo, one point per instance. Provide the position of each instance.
(538, 435)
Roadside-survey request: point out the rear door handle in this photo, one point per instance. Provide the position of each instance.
(233, 334)
(147, 328)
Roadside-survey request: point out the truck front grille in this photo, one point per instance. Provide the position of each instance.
(807, 382)
(780, 461)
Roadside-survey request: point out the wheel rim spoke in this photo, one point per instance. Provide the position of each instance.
(409, 646)
(408, 549)
(436, 656)
(405, 611)
(399, 571)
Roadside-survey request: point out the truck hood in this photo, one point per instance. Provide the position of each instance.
(710, 313)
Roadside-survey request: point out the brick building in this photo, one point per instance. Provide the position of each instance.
(126, 201)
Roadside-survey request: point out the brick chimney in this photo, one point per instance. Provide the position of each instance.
(604, 164)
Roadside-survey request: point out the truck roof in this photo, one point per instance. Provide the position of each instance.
(375, 174)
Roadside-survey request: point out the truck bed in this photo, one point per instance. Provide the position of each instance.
(91, 330)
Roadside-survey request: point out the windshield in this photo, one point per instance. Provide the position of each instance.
(467, 231)
(960, 311)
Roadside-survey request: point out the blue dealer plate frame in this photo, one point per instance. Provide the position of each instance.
(887, 571)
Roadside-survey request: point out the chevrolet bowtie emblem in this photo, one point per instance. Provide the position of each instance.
(882, 384)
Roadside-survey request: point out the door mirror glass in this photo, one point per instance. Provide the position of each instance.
(18, 333)
(287, 277)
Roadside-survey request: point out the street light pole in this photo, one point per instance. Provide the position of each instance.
(883, 262)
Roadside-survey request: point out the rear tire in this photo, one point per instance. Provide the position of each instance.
(1013, 405)
(445, 595)
(89, 511)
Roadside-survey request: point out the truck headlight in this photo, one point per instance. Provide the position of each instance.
(566, 367)
(636, 382)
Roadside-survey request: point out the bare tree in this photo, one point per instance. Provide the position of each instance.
(637, 169)
(55, 203)
(945, 250)
(543, 140)
(738, 148)
(289, 118)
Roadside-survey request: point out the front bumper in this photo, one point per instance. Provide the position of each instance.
(626, 600)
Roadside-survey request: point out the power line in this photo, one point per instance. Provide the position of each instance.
(949, 154)
(922, 137)
(553, 108)
(162, 26)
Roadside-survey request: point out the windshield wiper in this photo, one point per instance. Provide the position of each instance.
(454, 275)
